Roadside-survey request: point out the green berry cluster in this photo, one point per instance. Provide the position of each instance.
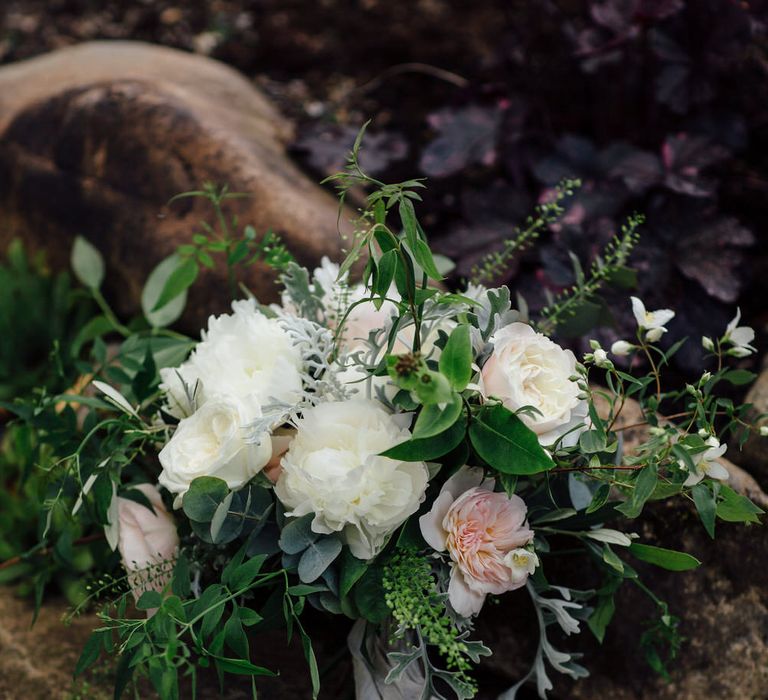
(411, 594)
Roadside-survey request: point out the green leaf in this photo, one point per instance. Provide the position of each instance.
(317, 558)
(423, 256)
(612, 559)
(245, 574)
(159, 317)
(90, 653)
(735, 508)
(297, 535)
(352, 569)
(204, 496)
(369, 595)
(601, 616)
(600, 498)
(506, 443)
(234, 636)
(429, 448)
(592, 441)
(705, 504)
(456, 358)
(241, 667)
(665, 558)
(434, 420)
(96, 327)
(408, 219)
(309, 655)
(149, 600)
(739, 377)
(386, 272)
(179, 280)
(87, 263)
(644, 486)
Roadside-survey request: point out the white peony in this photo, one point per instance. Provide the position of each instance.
(244, 354)
(211, 442)
(333, 469)
(528, 369)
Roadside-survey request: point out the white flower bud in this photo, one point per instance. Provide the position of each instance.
(621, 348)
(594, 344)
(764, 430)
(708, 344)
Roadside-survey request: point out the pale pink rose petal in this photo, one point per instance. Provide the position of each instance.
(431, 523)
(463, 599)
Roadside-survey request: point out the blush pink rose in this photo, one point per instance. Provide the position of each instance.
(484, 533)
(147, 541)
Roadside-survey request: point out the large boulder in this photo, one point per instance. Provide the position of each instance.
(95, 139)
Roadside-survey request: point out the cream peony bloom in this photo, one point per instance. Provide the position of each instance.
(147, 541)
(484, 533)
(211, 443)
(333, 469)
(244, 354)
(652, 322)
(527, 369)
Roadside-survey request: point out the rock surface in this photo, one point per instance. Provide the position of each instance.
(37, 662)
(755, 450)
(95, 140)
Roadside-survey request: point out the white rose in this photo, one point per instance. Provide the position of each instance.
(333, 469)
(528, 369)
(244, 354)
(211, 443)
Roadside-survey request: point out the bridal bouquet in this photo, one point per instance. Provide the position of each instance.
(382, 450)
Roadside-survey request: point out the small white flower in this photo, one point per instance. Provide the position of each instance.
(621, 348)
(522, 562)
(708, 463)
(764, 430)
(653, 322)
(739, 337)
